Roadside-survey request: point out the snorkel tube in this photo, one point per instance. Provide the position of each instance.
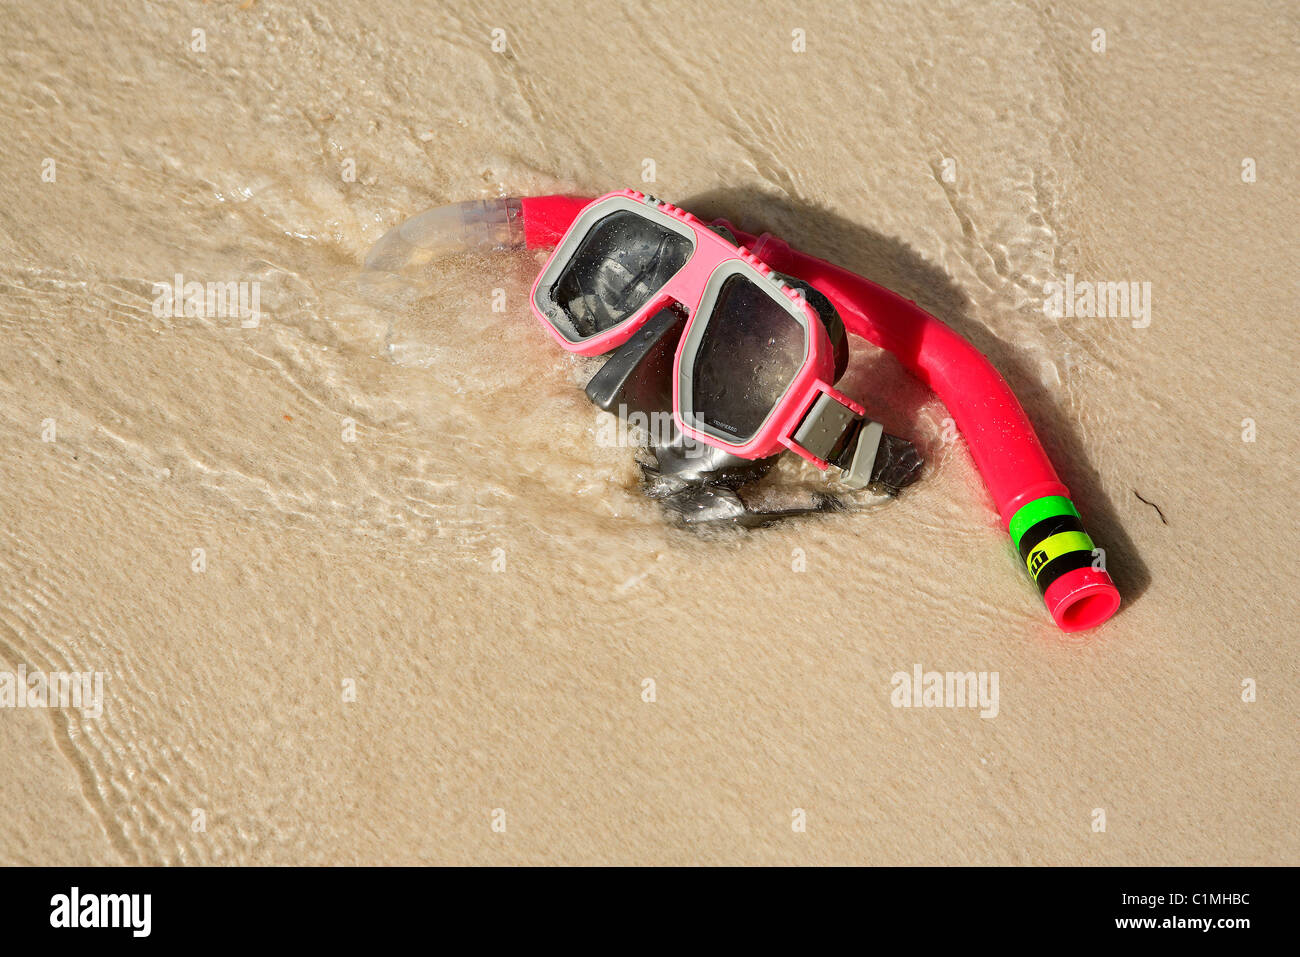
(1034, 505)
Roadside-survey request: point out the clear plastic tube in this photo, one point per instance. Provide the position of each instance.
(479, 225)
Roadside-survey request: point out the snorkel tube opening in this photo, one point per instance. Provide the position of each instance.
(1081, 599)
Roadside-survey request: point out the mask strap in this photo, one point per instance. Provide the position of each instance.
(842, 436)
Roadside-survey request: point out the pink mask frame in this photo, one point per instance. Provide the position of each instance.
(712, 260)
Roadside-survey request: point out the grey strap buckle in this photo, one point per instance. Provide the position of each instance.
(835, 433)
(863, 464)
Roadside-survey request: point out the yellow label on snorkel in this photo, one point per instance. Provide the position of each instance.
(1056, 546)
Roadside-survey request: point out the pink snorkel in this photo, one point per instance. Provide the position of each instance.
(1033, 503)
(1006, 451)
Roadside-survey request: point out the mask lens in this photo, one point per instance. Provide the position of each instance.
(751, 350)
(621, 263)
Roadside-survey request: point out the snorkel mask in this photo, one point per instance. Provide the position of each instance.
(742, 338)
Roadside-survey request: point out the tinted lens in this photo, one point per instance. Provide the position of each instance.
(751, 350)
(623, 260)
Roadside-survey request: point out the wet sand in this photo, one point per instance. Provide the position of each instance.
(359, 578)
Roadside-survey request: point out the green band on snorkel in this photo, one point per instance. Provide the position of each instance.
(1029, 515)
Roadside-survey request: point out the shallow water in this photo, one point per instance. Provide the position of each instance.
(401, 488)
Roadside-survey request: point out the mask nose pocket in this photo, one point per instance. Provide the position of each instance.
(638, 376)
